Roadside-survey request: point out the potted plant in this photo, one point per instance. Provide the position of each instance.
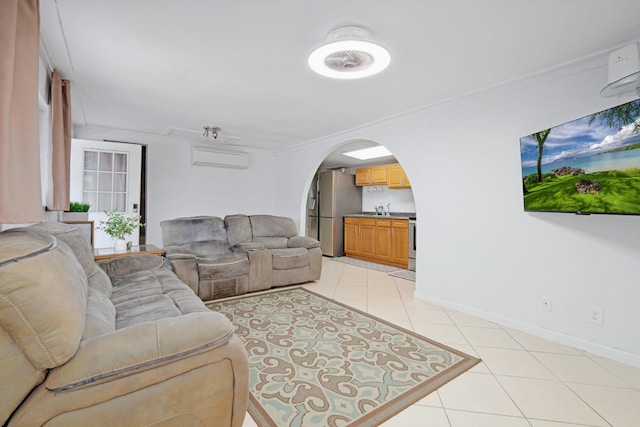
(118, 226)
(78, 211)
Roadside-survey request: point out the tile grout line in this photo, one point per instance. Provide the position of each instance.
(404, 299)
(594, 360)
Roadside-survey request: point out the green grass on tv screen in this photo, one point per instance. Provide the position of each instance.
(619, 193)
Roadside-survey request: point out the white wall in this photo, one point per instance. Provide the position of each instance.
(399, 200)
(479, 252)
(175, 188)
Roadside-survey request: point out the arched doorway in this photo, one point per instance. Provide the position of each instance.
(344, 186)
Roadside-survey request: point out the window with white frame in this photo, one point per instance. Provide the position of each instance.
(105, 180)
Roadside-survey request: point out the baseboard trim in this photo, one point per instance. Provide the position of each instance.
(560, 338)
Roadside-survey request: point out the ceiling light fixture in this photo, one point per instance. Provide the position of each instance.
(213, 130)
(623, 72)
(369, 153)
(349, 53)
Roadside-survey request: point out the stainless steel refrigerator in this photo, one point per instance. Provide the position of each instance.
(337, 195)
(312, 209)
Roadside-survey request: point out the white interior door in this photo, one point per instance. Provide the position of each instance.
(107, 176)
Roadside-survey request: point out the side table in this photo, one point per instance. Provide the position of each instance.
(104, 253)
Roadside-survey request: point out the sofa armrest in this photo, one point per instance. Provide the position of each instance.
(303, 242)
(178, 252)
(260, 264)
(141, 347)
(122, 266)
(184, 264)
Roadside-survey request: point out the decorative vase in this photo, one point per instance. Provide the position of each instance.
(121, 245)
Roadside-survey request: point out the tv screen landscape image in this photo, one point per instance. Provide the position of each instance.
(589, 165)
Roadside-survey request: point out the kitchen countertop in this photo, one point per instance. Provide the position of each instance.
(399, 215)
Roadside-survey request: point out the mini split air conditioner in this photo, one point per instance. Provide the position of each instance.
(203, 155)
(623, 71)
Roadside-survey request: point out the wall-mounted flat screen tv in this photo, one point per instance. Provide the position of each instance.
(589, 165)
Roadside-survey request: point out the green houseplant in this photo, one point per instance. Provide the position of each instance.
(79, 207)
(118, 226)
(78, 211)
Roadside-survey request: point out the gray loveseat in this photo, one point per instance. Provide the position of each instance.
(238, 254)
(127, 344)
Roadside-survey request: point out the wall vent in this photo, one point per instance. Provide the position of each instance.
(205, 155)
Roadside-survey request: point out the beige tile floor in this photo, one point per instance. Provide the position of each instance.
(522, 380)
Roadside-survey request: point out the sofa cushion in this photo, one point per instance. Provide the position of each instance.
(223, 267)
(272, 242)
(286, 259)
(179, 231)
(303, 242)
(69, 234)
(204, 249)
(272, 226)
(151, 295)
(238, 229)
(43, 296)
(96, 277)
(122, 266)
(101, 315)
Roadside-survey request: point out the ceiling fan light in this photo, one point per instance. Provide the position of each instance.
(347, 55)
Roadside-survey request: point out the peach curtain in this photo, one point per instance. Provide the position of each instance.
(61, 141)
(20, 191)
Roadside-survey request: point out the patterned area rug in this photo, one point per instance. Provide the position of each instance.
(316, 362)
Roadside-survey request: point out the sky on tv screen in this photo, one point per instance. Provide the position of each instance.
(577, 143)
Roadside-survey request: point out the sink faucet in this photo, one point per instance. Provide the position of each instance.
(389, 209)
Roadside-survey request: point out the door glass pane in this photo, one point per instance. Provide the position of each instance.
(104, 202)
(90, 181)
(106, 161)
(120, 182)
(119, 201)
(90, 197)
(105, 183)
(91, 160)
(120, 162)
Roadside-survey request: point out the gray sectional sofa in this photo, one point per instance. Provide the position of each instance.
(219, 257)
(121, 342)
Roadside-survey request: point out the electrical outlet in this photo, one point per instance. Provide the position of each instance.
(596, 315)
(545, 304)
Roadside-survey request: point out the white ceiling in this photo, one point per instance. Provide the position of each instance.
(143, 68)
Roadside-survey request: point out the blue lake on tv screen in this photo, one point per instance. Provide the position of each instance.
(588, 165)
(619, 160)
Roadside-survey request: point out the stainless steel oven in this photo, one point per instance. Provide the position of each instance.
(412, 243)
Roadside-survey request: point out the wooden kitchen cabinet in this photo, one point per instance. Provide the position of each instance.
(375, 175)
(382, 240)
(360, 237)
(396, 177)
(400, 241)
(391, 175)
(362, 176)
(367, 239)
(351, 236)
